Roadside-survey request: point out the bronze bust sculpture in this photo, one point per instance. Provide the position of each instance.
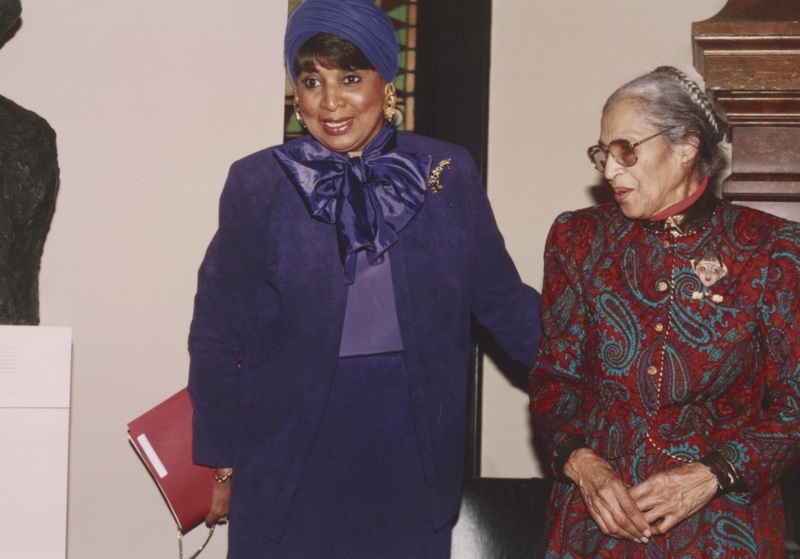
(28, 188)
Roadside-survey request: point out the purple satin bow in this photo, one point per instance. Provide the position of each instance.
(369, 198)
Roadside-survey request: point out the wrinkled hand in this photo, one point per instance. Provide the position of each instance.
(669, 497)
(606, 497)
(220, 500)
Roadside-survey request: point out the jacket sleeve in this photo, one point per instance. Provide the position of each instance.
(230, 282)
(501, 302)
(556, 383)
(767, 447)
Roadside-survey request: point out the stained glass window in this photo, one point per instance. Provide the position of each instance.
(404, 16)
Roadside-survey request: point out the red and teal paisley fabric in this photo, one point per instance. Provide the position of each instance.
(631, 333)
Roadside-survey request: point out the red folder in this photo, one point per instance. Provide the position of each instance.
(163, 439)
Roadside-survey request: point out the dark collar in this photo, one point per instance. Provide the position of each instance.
(691, 220)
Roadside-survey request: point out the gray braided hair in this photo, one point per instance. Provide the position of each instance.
(670, 99)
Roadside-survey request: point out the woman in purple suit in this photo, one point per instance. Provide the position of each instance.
(331, 333)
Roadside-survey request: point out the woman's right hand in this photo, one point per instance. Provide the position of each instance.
(220, 499)
(606, 497)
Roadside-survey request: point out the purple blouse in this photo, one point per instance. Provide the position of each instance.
(370, 319)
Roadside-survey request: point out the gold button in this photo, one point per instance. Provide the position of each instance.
(659, 327)
(662, 285)
(665, 244)
(651, 370)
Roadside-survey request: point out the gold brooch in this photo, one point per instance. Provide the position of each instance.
(433, 180)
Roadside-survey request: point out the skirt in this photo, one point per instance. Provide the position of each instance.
(363, 493)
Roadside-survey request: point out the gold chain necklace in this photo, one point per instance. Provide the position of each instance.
(650, 416)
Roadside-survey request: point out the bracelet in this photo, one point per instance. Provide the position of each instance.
(727, 477)
(222, 479)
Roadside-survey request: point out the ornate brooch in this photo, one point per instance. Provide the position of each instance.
(710, 269)
(433, 179)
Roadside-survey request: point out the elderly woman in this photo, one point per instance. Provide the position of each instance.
(331, 333)
(668, 385)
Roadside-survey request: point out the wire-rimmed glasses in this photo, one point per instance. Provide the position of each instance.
(622, 151)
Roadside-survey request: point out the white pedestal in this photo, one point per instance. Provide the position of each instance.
(35, 364)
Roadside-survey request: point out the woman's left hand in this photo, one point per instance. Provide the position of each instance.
(667, 498)
(220, 498)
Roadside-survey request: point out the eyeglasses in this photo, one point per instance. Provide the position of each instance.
(622, 151)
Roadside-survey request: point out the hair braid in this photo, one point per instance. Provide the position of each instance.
(718, 125)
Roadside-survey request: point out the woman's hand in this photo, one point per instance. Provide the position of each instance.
(606, 497)
(669, 497)
(220, 499)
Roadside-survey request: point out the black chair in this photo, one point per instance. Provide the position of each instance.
(790, 487)
(501, 519)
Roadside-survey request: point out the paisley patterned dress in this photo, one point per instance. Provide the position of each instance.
(651, 368)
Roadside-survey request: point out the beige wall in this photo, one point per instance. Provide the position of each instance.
(152, 100)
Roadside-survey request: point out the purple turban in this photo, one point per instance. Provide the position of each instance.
(359, 21)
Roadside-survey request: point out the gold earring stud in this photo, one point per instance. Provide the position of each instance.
(296, 103)
(390, 102)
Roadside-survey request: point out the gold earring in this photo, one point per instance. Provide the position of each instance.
(297, 114)
(389, 102)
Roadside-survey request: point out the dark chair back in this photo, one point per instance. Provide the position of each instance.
(790, 487)
(501, 519)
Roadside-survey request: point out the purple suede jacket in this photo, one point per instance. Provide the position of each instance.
(268, 319)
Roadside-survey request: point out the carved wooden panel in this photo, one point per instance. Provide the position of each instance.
(749, 56)
(765, 169)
